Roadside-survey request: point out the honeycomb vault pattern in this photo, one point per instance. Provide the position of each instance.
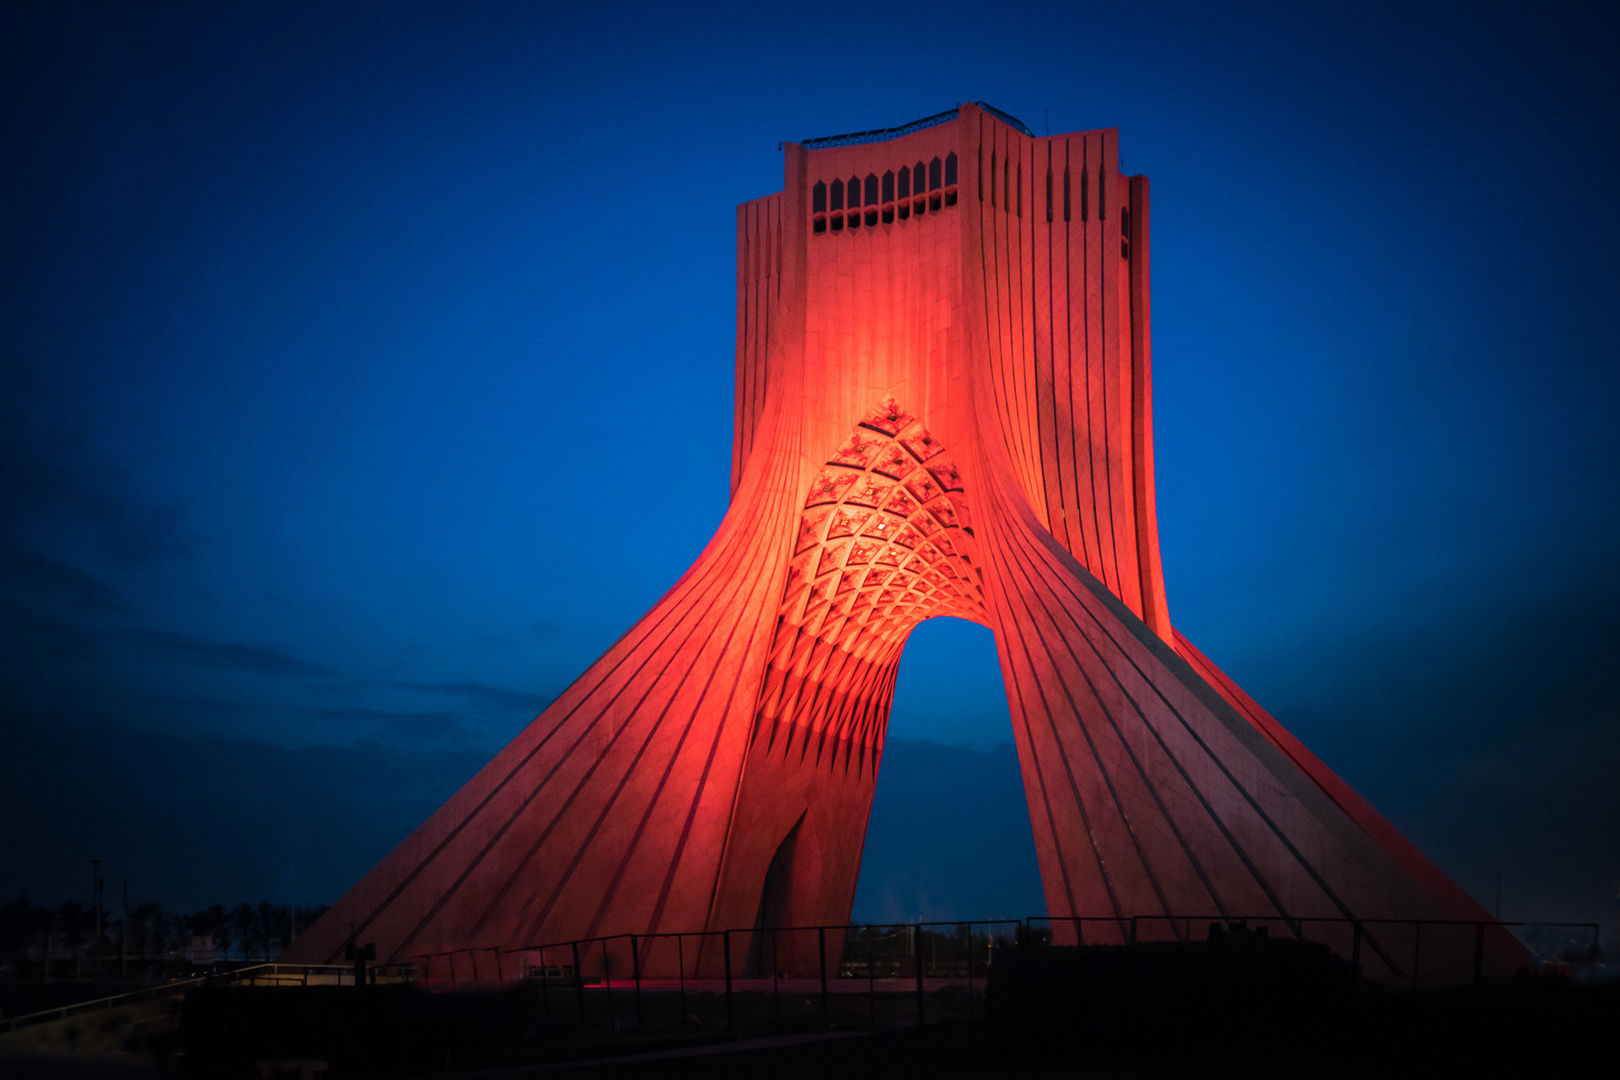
(883, 544)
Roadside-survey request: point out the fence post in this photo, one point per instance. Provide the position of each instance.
(545, 985)
(1417, 943)
(607, 984)
(917, 965)
(725, 950)
(579, 984)
(871, 983)
(970, 971)
(680, 968)
(1479, 955)
(635, 964)
(1355, 949)
(821, 945)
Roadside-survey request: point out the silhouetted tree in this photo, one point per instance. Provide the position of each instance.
(270, 926)
(214, 922)
(242, 923)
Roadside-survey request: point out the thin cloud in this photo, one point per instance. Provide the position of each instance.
(258, 659)
(22, 626)
(414, 727)
(50, 476)
(481, 695)
(56, 581)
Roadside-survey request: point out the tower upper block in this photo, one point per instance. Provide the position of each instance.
(943, 408)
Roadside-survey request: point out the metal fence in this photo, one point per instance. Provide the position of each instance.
(885, 976)
(848, 976)
(855, 976)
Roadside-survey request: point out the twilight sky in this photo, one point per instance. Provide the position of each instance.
(366, 370)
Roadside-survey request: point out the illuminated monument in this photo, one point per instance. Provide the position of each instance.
(943, 407)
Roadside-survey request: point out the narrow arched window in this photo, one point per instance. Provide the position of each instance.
(950, 178)
(854, 201)
(836, 221)
(888, 197)
(933, 175)
(818, 198)
(1124, 232)
(905, 192)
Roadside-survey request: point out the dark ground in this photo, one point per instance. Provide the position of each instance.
(1544, 1029)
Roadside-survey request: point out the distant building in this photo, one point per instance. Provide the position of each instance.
(201, 950)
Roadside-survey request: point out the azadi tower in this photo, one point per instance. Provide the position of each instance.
(944, 407)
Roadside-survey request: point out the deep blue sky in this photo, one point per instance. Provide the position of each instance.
(366, 370)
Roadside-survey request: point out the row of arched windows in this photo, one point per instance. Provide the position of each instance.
(922, 188)
(912, 189)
